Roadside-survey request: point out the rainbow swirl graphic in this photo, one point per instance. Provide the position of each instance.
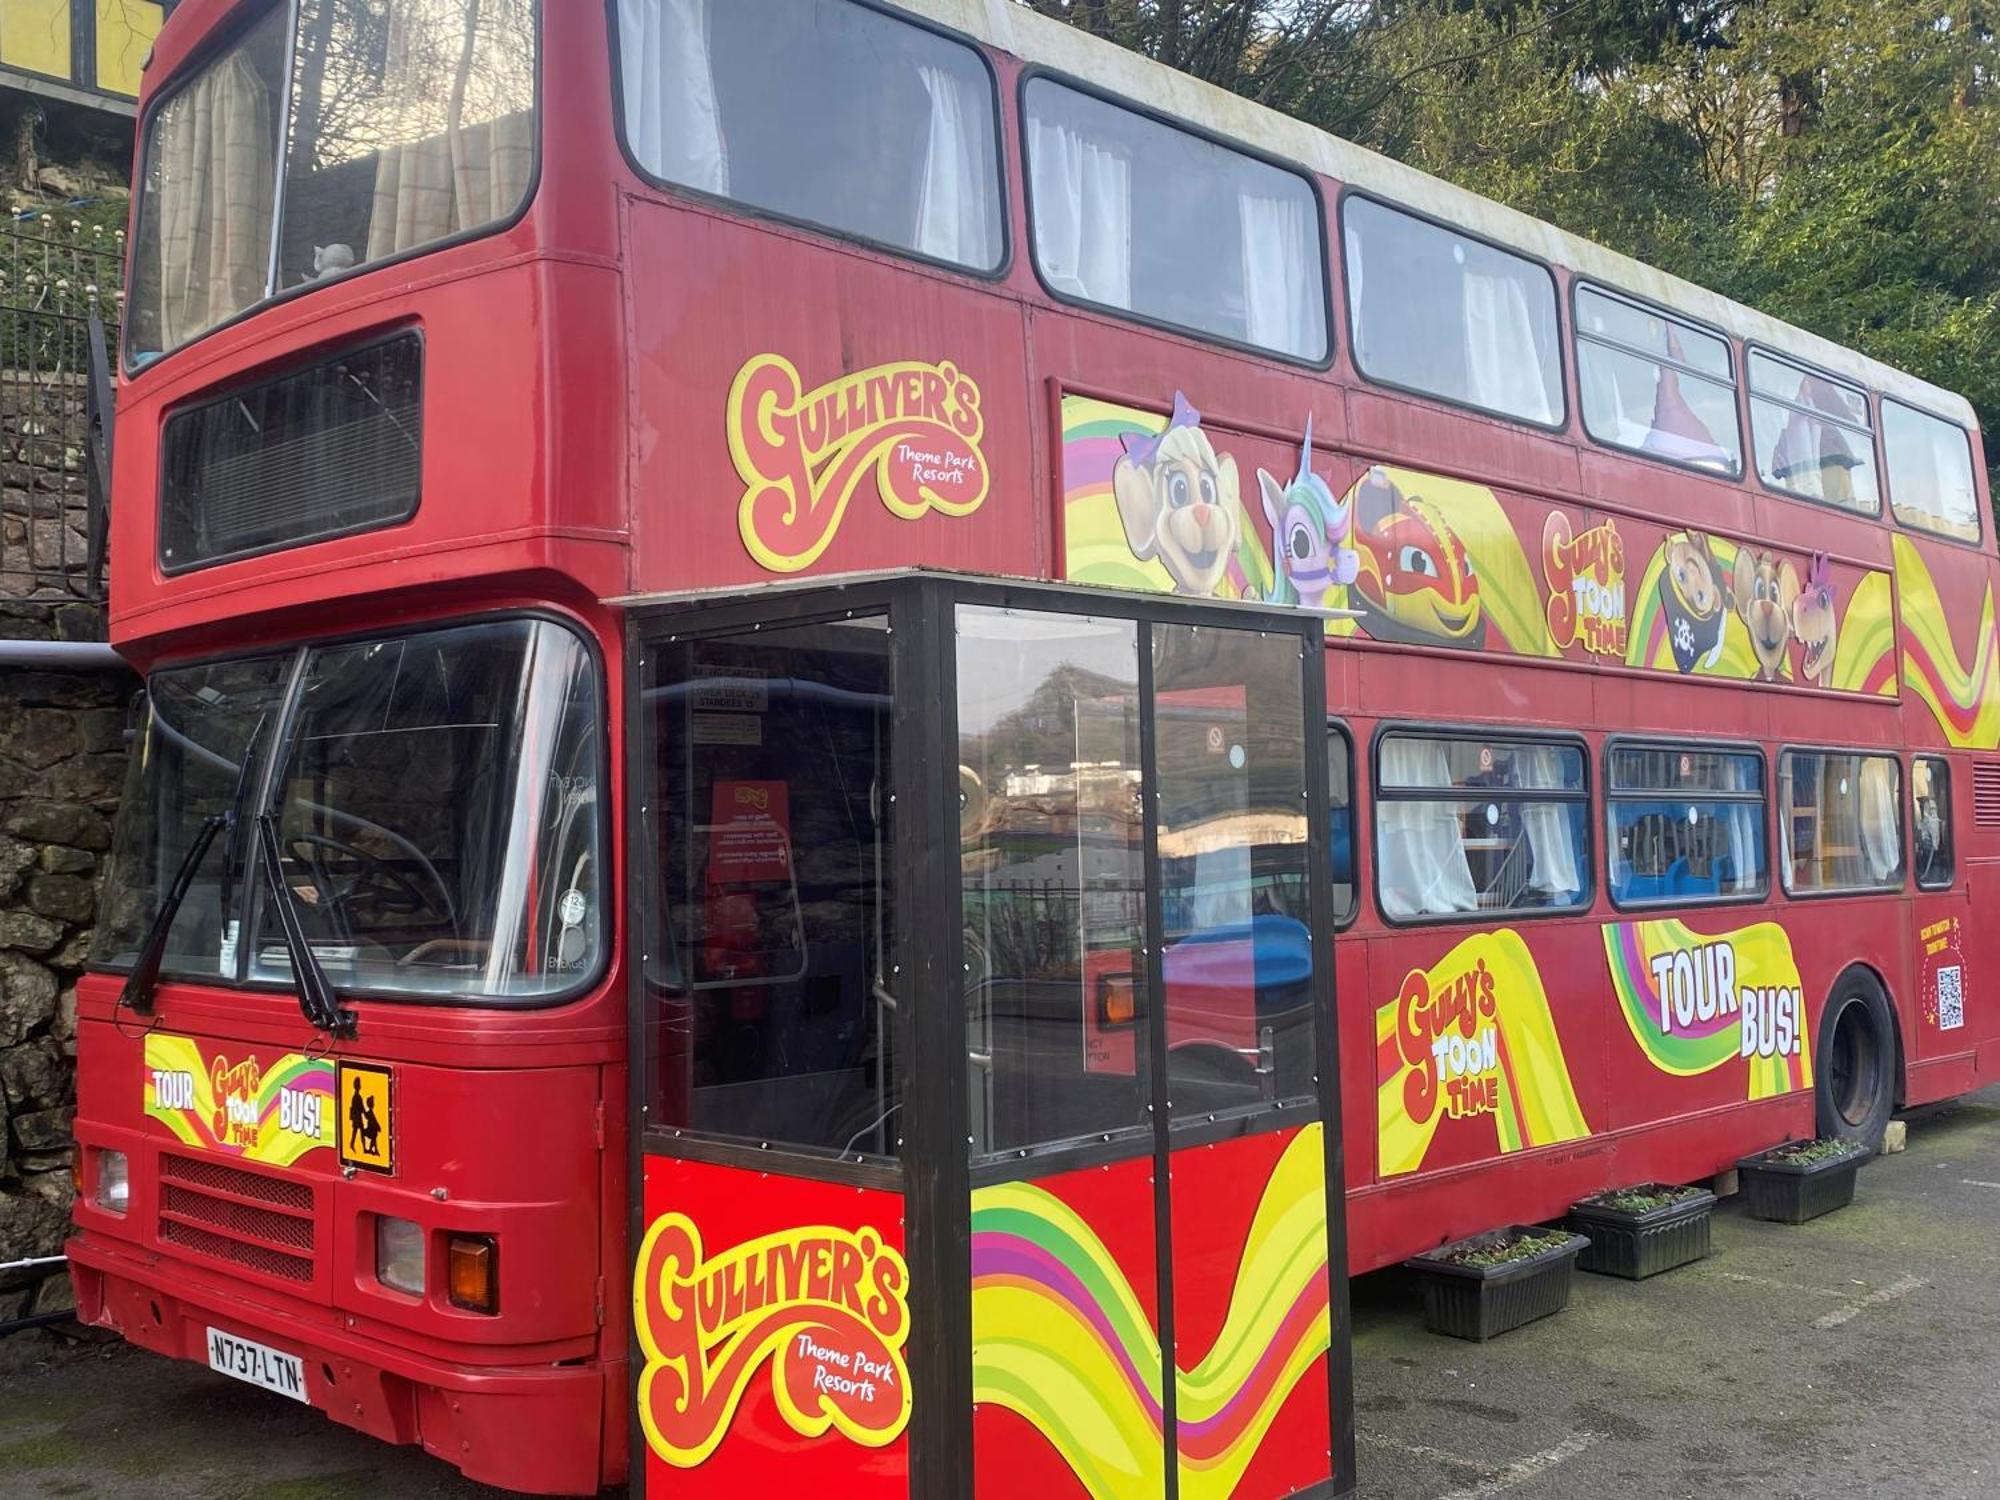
(1094, 544)
(272, 1114)
(1060, 1338)
(1966, 700)
(1761, 959)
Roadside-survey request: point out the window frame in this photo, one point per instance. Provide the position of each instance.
(1339, 727)
(1561, 422)
(1762, 798)
(736, 208)
(1578, 337)
(250, 879)
(1378, 795)
(1778, 812)
(1940, 767)
(1973, 455)
(191, 67)
(1039, 72)
(1751, 396)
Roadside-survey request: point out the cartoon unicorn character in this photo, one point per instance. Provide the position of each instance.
(1310, 535)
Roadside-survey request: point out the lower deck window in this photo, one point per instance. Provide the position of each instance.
(1840, 816)
(1685, 825)
(1466, 824)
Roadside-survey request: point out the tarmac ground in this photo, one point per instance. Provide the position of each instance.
(1856, 1356)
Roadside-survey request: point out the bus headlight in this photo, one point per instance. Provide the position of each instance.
(399, 1255)
(114, 1182)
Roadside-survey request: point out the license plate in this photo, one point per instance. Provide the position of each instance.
(257, 1364)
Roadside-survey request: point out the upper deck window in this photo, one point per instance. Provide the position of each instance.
(1930, 472)
(1437, 312)
(1135, 215)
(403, 123)
(1656, 384)
(1812, 434)
(822, 111)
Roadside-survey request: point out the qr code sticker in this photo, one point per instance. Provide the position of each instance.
(1951, 997)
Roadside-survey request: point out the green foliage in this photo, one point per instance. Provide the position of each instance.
(1837, 166)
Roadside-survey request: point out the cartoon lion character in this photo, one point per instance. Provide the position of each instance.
(1178, 502)
(1762, 593)
(1815, 622)
(1310, 532)
(1415, 583)
(1691, 596)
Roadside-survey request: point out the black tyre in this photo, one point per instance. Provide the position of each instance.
(1855, 1061)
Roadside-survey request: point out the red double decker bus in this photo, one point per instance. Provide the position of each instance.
(870, 729)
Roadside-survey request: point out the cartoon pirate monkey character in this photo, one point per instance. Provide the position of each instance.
(1763, 592)
(1815, 623)
(1178, 502)
(1692, 597)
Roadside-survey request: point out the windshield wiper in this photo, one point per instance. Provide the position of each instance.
(145, 976)
(317, 999)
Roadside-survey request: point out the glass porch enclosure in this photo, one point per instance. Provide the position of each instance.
(983, 1044)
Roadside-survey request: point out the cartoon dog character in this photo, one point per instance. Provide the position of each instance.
(1415, 583)
(1310, 531)
(1762, 593)
(1815, 622)
(1178, 502)
(1691, 596)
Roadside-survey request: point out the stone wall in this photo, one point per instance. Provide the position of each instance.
(62, 763)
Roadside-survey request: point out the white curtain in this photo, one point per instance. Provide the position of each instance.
(1420, 845)
(1881, 829)
(955, 198)
(1281, 279)
(1742, 827)
(671, 117)
(1503, 368)
(1550, 828)
(1355, 271)
(463, 159)
(1221, 894)
(218, 174)
(1082, 194)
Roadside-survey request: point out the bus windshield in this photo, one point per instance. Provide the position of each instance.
(436, 804)
(329, 135)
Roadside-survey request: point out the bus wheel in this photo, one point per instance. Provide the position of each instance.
(1856, 1061)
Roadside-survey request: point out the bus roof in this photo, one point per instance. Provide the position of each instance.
(1012, 28)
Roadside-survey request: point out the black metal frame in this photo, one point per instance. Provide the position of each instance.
(935, 1173)
(1493, 734)
(1763, 798)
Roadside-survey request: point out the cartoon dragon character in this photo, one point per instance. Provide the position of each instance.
(1815, 622)
(1310, 532)
(1762, 592)
(1415, 583)
(1178, 501)
(1691, 596)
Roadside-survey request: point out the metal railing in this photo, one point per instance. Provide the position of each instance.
(56, 275)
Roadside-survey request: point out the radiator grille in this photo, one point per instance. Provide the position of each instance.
(263, 1223)
(315, 453)
(1986, 793)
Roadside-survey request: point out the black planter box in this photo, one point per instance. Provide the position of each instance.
(1791, 1192)
(1636, 1245)
(1477, 1302)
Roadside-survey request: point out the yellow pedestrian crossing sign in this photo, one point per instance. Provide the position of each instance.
(366, 1100)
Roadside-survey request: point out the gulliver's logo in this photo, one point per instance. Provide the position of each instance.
(802, 454)
(828, 1307)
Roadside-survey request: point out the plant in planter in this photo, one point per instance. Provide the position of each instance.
(1640, 1231)
(1800, 1180)
(1482, 1286)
